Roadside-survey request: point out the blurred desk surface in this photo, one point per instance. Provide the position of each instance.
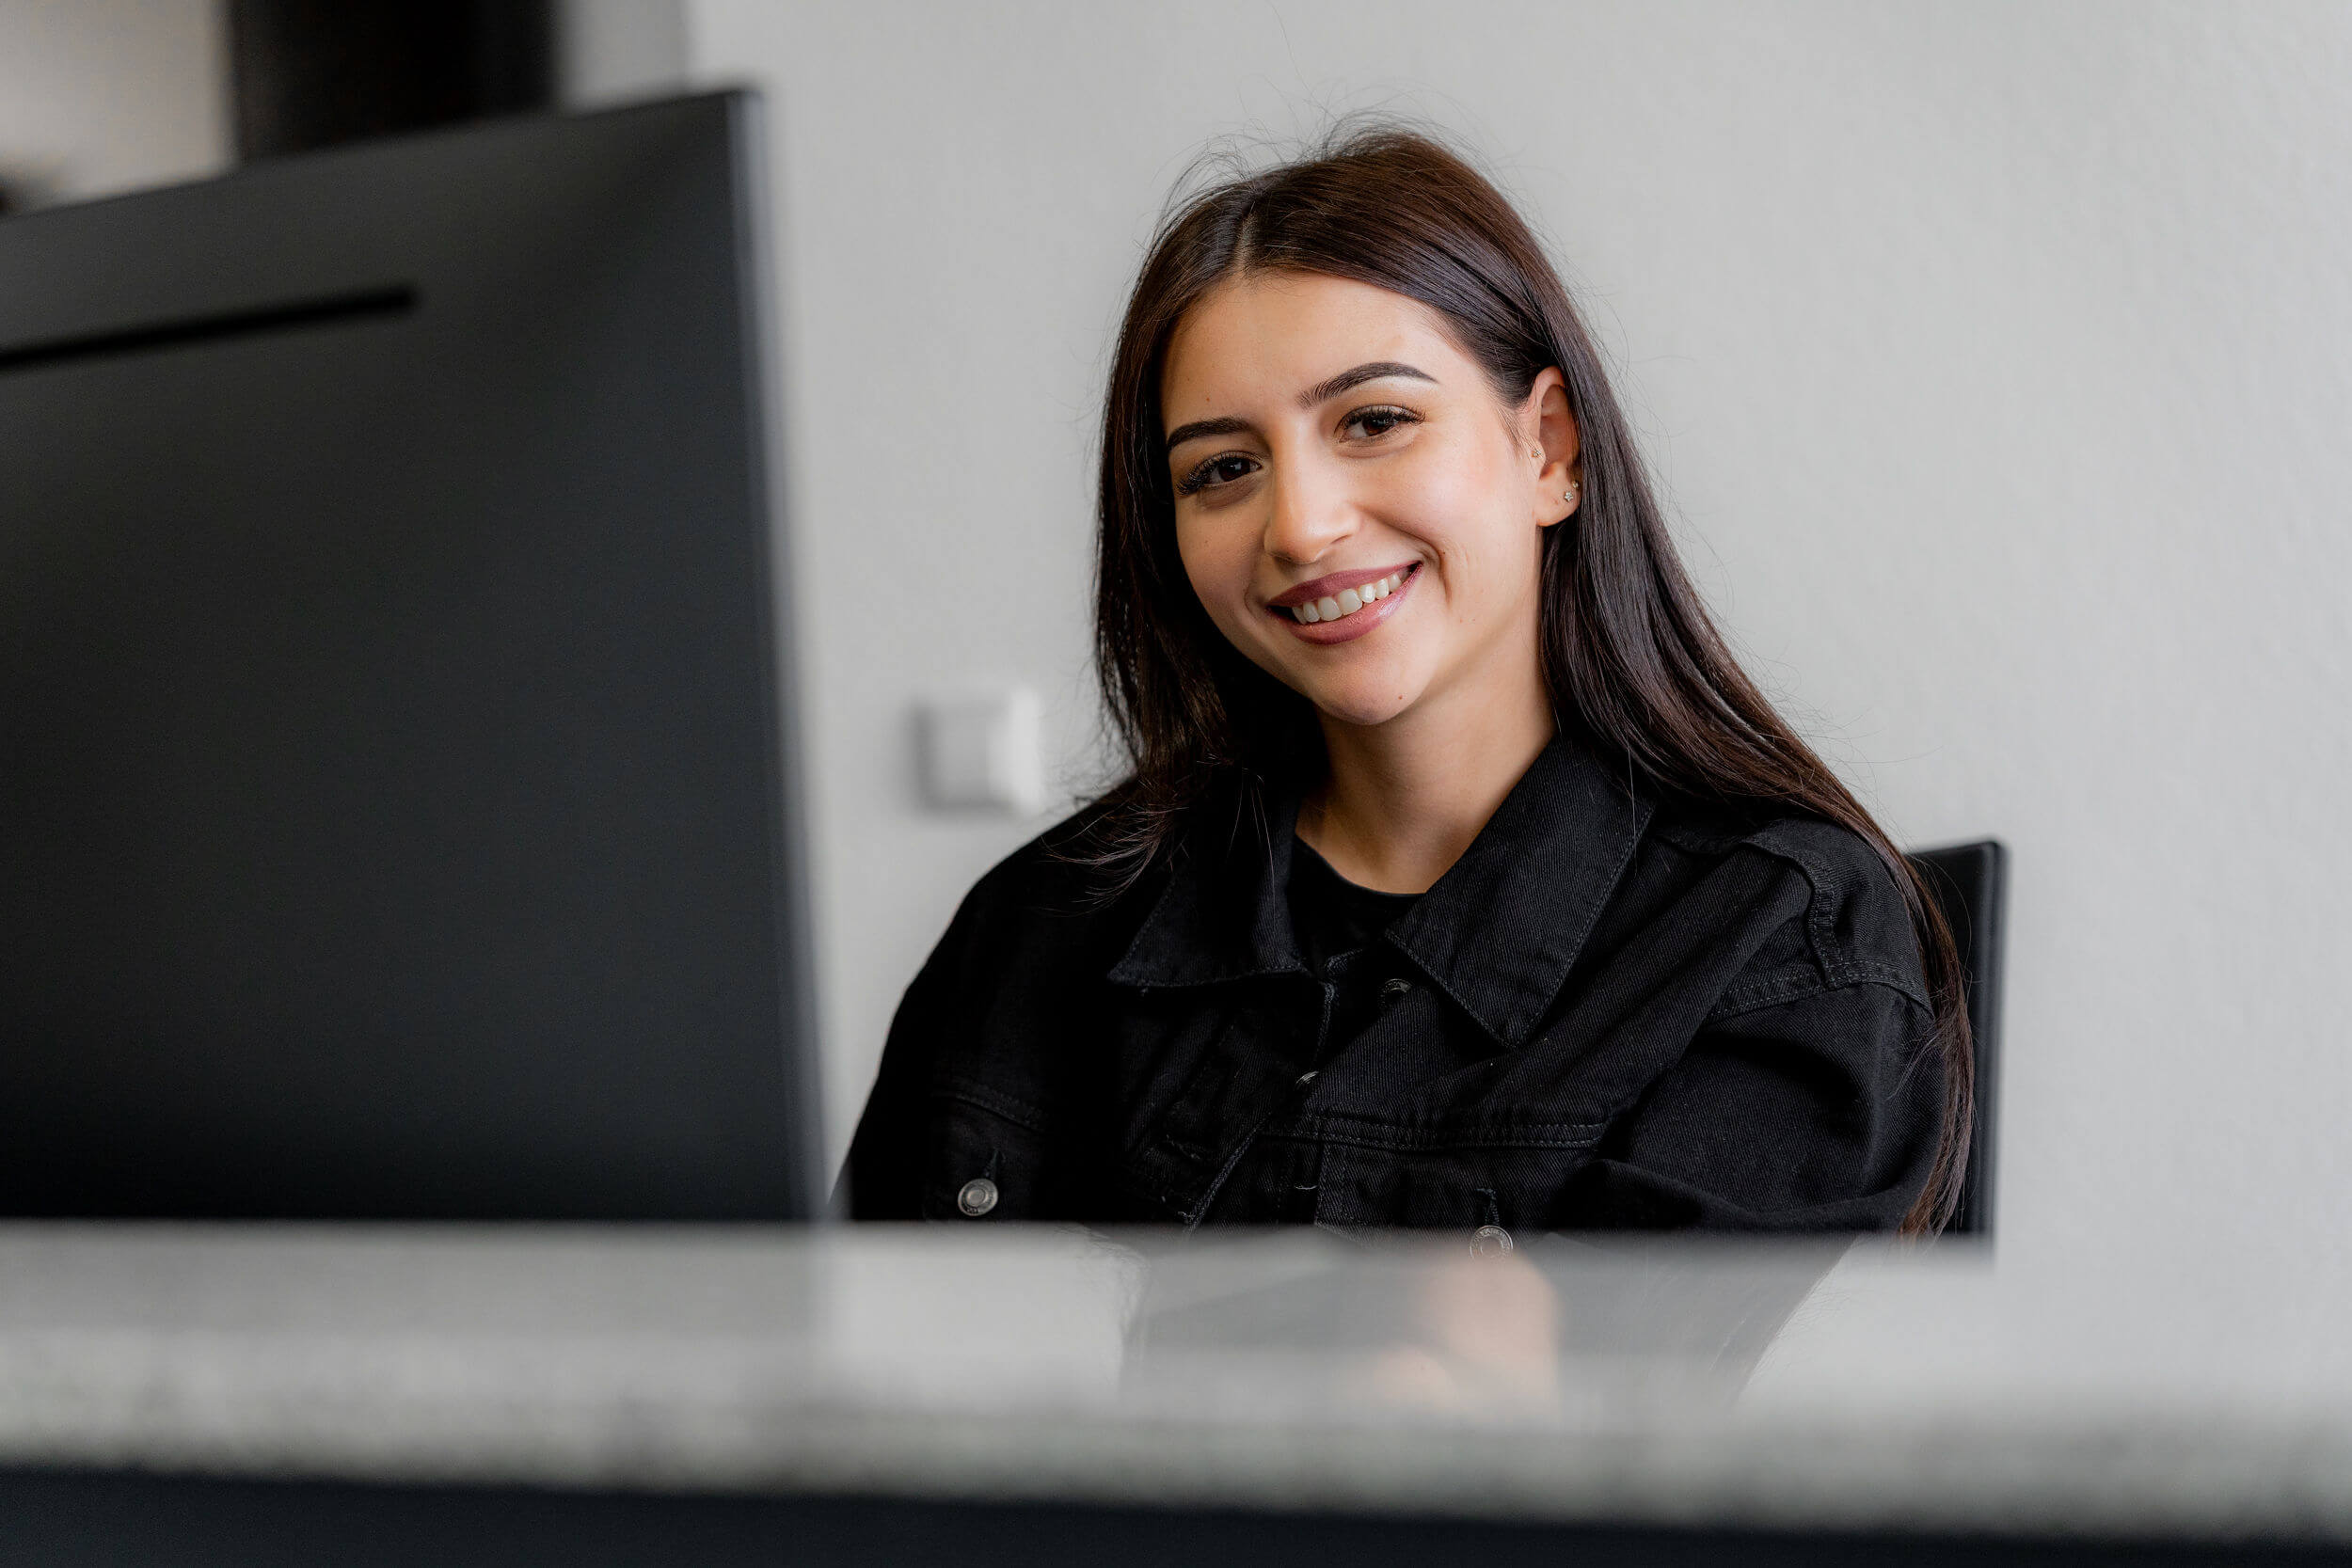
(1744, 1394)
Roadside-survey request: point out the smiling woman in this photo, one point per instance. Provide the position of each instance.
(1461, 877)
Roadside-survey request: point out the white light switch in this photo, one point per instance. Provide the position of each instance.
(984, 750)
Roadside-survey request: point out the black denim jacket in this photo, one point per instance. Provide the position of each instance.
(1613, 1012)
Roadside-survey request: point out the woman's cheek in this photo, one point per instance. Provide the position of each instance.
(1455, 517)
(1434, 498)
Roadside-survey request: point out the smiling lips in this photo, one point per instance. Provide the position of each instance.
(1347, 601)
(1344, 605)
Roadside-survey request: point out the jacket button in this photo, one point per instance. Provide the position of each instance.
(978, 1196)
(1490, 1241)
(1394, 990)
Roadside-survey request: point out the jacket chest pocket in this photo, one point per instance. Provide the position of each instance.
(986, 1162)
(990, 1159)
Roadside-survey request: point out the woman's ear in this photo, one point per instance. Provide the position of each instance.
(1551, 436)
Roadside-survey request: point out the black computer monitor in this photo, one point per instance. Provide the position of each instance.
(397, 814)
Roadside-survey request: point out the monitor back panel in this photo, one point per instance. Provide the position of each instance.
(394, 816)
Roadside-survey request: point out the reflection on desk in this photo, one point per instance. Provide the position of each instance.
(1776, 1385)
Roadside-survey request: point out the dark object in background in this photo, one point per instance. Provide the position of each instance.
(23, 189)
(1970, 884)
(313, 73)
(396, 808)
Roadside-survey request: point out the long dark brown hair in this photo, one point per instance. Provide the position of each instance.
(1636, 667)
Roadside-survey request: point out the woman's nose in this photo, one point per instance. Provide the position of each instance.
(1310, 511)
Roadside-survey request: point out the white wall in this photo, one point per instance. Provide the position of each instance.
(1999, 360)
(101, 96)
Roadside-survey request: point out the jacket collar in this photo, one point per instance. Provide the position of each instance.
(1498, 933)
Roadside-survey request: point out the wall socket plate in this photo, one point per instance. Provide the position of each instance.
(983, 749)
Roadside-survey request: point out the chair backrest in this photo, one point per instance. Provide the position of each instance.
(1970, 883)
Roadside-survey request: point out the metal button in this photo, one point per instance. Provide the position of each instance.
(1305, 1080)
(1394, 990)
(978, 1196)
(1490, 1241)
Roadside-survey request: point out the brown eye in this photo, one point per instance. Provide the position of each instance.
(1217, 470)
(1370, 424)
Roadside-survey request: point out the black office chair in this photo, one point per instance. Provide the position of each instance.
(1969, 883)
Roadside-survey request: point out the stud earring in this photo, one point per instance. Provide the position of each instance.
(1569, 495)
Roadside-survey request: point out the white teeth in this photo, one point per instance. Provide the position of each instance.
(1347, 601)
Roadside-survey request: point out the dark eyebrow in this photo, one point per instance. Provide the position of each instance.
(1347, 381)
(1225, 426)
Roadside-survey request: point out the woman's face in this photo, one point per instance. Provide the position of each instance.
(1360, 513)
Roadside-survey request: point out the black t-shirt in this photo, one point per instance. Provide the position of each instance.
(1338, 926)
(1333, 917)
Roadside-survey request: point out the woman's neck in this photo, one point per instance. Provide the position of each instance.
(1403, 799)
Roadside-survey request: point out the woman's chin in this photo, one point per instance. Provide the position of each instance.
(1361, 709)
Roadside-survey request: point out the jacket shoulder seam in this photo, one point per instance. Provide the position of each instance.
(1756, 997)
(1839, 967)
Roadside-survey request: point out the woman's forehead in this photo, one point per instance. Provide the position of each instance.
(1270, 335)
